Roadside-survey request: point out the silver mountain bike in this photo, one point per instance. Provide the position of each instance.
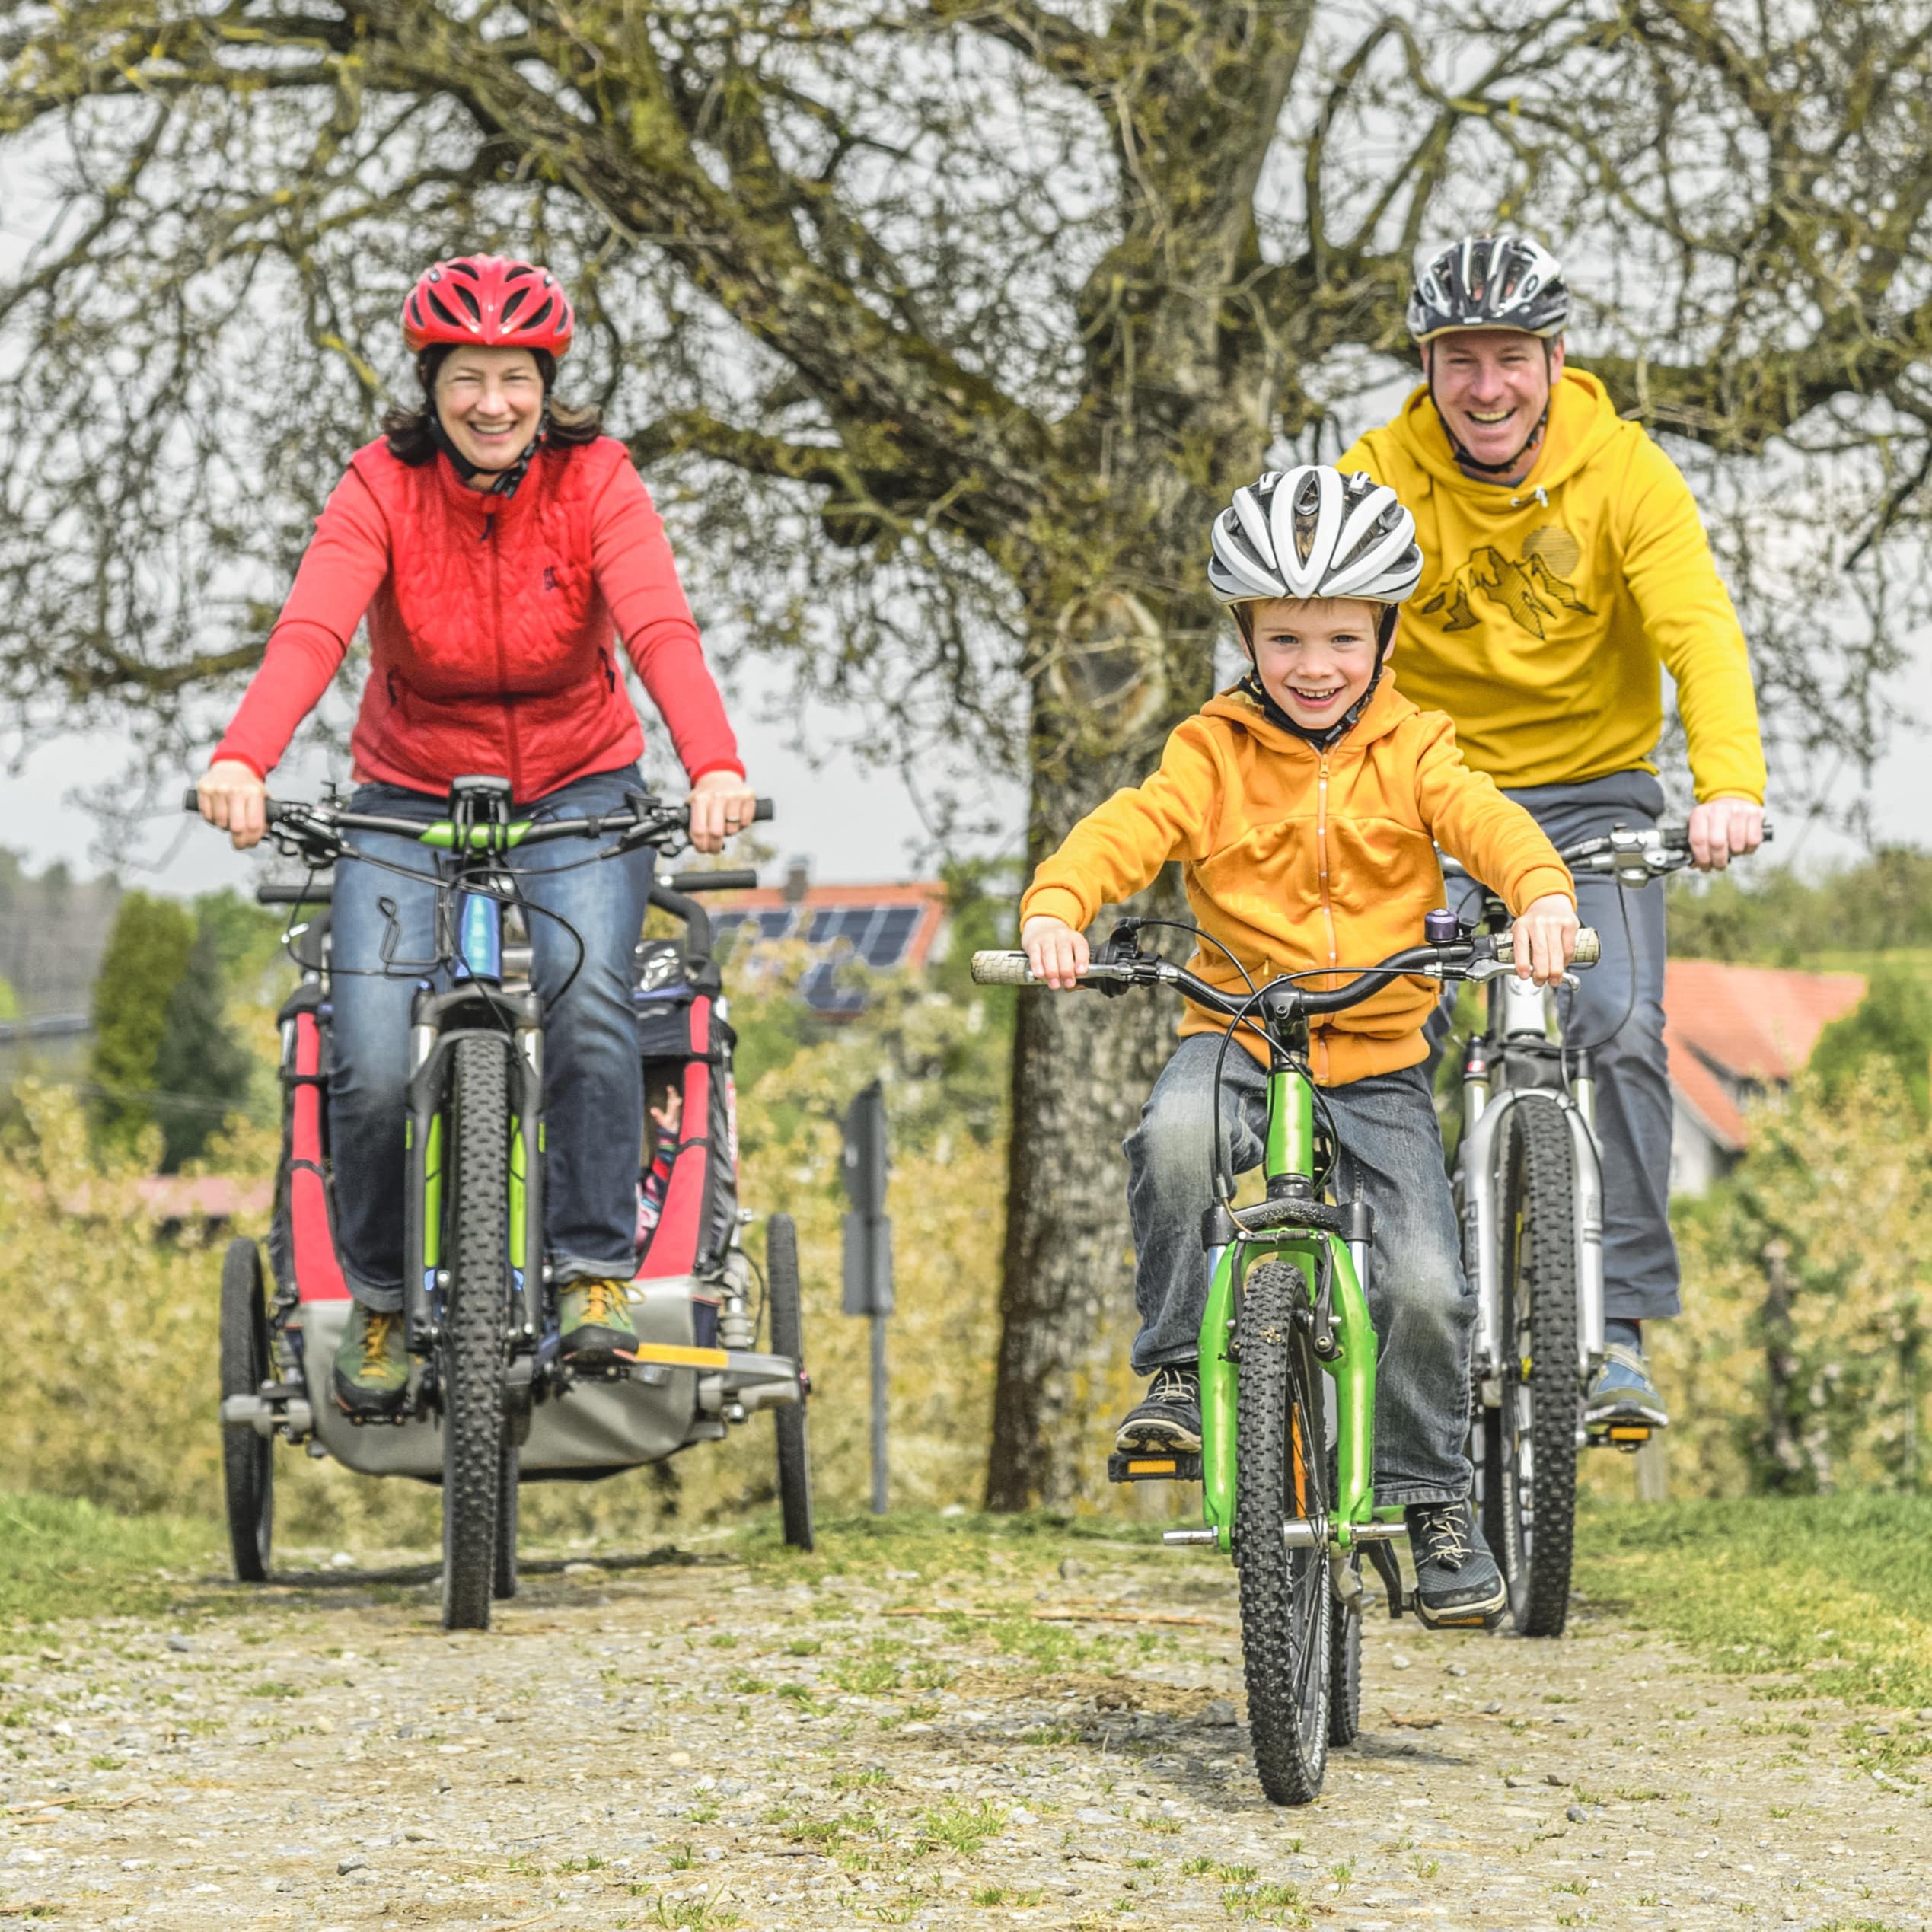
(1528, 1180)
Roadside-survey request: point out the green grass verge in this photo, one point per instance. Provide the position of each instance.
(65, 1558)
(1836, 1589)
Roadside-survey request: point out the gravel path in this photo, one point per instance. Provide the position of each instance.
(1049, 1740)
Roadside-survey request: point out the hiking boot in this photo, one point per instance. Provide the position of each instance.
(1457, 1586)
(1623, 1391)
(595, 1319)
(1167, 1419)
(372, 1367)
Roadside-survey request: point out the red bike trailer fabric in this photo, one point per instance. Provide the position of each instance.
(685, 1041)
(311, 1236)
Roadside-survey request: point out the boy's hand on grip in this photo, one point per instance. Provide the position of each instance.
(1057, 955)
(1544, 938)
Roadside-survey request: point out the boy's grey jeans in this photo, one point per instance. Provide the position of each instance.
(1423, 1316)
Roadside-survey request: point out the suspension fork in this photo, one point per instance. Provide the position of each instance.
(1353, 1372)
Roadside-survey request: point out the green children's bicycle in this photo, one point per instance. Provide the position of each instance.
(1287, 1471)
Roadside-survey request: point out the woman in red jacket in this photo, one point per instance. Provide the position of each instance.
(498, 545)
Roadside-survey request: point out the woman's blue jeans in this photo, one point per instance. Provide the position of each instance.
(593, 1087)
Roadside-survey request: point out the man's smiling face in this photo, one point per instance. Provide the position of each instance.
(1315, 655)
(1492, 387)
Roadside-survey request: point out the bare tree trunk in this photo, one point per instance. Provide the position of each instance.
(1082, 1065)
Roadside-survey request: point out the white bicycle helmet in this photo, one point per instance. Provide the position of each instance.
(1490, 282)
(1314, 532)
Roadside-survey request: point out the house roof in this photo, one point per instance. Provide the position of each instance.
(1727, 1026)
(880, 928)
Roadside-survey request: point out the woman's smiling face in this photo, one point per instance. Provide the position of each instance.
(490, 401)
(1315, 655)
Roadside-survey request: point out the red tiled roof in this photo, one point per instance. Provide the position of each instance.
(1745, 1023)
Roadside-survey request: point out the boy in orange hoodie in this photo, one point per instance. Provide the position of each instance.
(1305, 805)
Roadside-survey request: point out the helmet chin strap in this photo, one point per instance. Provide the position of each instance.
(1327, 735)
(1462, 458)
(509, 478)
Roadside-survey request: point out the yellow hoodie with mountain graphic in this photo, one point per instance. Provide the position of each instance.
(1546, 606)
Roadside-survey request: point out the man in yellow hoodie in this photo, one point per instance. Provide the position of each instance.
(1565, 565)
(1304, 805)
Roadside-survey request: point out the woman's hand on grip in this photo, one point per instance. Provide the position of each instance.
(722, 806)
(233, 797)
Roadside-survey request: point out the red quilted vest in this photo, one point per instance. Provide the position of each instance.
(492, 647)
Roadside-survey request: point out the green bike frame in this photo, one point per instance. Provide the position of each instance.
(1289, 1159)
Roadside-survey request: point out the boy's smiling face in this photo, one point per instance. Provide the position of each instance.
(1315, 655)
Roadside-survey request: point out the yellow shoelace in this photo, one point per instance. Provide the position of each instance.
(606, 1304)
(375, 1342)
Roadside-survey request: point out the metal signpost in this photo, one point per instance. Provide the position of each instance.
(869, 1251)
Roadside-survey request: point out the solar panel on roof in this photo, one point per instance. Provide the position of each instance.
(824, 991)
(884, 945)
(774, 925)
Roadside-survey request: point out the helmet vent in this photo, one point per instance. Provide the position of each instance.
(542, 315)
(443, 312)
(468, 299)
(514, 300)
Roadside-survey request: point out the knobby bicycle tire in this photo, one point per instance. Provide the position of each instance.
(503, 1580)
(1281, 1469)
(1541, 1400)
(1345, 1660)
(788, 1339)
(247, 1459)
(475, 1307)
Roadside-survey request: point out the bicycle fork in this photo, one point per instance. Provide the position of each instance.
(1351, 1367)
(1482, 1179)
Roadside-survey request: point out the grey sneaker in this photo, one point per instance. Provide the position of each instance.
(1457, 1586)
(371, 1373)
(1167, 1419)
(1623, 1392)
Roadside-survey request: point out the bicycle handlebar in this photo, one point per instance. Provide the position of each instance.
(298, 817)
(1476, 958)
(1636, 857)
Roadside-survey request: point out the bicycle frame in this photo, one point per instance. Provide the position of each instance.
(1288, 1160)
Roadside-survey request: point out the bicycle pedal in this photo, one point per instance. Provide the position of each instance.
(1144, 1466)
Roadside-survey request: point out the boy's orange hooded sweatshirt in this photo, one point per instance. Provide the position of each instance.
(1296, 858)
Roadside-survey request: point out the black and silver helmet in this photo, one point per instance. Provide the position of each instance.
(1314, 532)
(1491, 282)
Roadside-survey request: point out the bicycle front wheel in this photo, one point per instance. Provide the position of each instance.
(1280, 1477)
(476, 1307)
(1541, 1402)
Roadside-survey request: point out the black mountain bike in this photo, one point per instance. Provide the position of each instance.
(480, 1314)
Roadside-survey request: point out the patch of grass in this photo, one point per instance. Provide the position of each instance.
(64, 1557)
(1837, 1588)
(961, 1828)
(869, 1677)
(856, 1780)
(1273, 1902)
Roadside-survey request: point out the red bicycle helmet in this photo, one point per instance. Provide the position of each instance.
(490, 299)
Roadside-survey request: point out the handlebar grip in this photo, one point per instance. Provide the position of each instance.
(744, 880)
(762, 810)
(1001, 969)
(1589, 947)
(273, 892)
(191, 800)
